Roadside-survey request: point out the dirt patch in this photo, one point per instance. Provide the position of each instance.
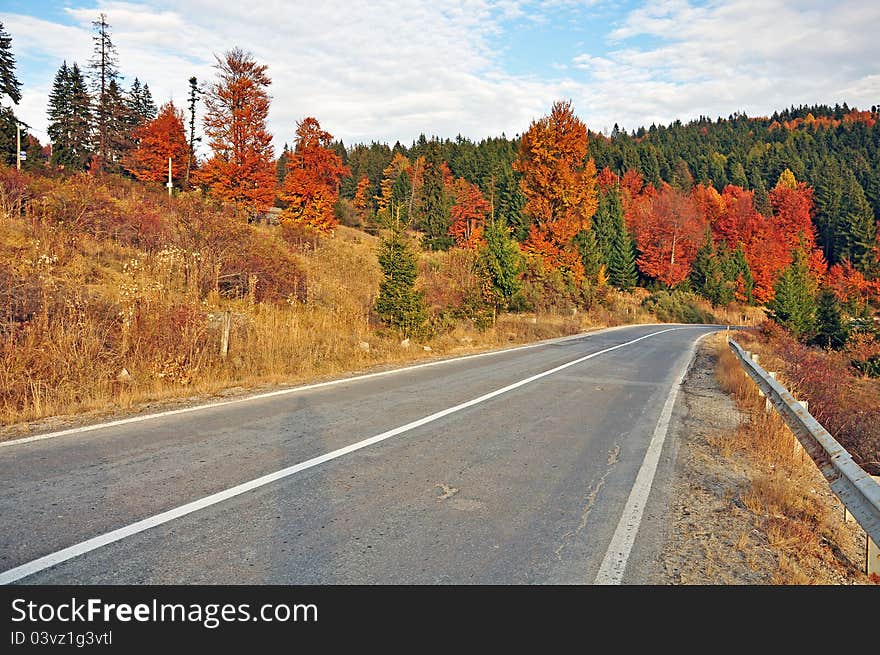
(717, 533)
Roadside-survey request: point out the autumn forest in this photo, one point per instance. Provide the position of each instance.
(363, 247)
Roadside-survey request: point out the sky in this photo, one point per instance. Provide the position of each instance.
(390, 70)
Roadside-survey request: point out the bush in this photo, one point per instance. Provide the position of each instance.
(677, 307)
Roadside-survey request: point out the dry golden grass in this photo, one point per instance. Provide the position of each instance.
(117, 327)
(799, 526)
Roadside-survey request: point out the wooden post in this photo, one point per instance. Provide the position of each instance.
(224, 335)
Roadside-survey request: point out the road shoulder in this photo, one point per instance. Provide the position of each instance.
(702, 529)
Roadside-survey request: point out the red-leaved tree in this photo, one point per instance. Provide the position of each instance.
(669, 230)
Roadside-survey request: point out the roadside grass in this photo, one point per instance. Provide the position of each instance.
(805, 531)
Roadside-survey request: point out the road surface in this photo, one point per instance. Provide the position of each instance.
(530, 466)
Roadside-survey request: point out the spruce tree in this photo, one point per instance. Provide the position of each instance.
(588, 249)
(502, 261)
(70, 119)
(399, 305)
(105, 73)
(9, 84)
(622, 262)
(281, 166)
(707, 276)
(738, 278)
(433, 203)
(831, 331)
(856, 233)
(118, 139)
(605, 222)
(794, 303)
(827, 197)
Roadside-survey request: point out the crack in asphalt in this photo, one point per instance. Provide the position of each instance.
(593, 493)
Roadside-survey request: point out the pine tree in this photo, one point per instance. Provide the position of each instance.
(827, 196)
(105, 73)
(738, 278)
(831, 332)
(140, 103)
(399, 304)
(591, 256)
(9, 84)
(503, 262)
(707, 276)
(794, 303)
(856, 231)
(282, 165)
(605, 222)
(70, 119)
(432, 208)
(119, 127)
(622, 263)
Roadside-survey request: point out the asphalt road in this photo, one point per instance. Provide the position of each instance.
(526, 486)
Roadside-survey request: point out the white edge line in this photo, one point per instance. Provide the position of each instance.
(53, 559)
(307, 387)
(614, 563)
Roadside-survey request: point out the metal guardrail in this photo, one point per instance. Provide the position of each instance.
(857, 490)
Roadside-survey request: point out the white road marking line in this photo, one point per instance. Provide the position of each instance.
(616, 557)
(94, 543)
(307, 387)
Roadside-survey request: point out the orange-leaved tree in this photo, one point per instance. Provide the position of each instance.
(158, 140)
(792, 203)
(311, 187)
(559, 184)
(363, 198)
(468, 215)
(241, 168)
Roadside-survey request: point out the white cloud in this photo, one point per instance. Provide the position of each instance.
(390, 69)
(748, 55)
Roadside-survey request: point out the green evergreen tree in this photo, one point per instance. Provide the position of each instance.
(707, 276)
(831, 331)
(282, 164)
(433, 204)
(118, 122)
(794, 303)
(622, 262)
(70, 119)
(399, 305)
(827, 197)
(107, 95)
(609, 211)
(737, 274)
(856, 233)
(588, 248)
(503, 263)
(9, 84)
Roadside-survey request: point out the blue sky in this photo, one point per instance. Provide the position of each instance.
(391, 69)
